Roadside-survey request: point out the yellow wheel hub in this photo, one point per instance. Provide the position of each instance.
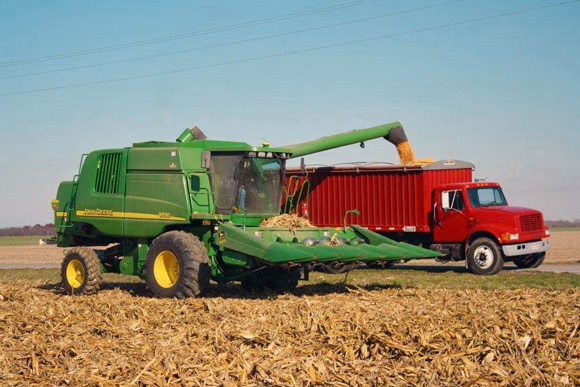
(166, 269)
(75, 273)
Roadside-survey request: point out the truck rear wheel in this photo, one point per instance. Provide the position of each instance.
(484, 257)
(81, 272)
(177, 265)
(530, 261)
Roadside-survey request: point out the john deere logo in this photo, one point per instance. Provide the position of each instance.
(98, 212)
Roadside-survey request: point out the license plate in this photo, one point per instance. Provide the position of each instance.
(535, 246)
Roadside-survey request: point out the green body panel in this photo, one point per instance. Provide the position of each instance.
(127, 197)
(154, 200)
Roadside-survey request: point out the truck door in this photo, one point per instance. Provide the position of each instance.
(450, 221)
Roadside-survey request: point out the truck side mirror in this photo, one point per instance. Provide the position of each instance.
(445, 203)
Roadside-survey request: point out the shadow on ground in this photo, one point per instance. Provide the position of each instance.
(234, 290)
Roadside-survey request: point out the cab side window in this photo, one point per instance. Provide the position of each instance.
(452, 200)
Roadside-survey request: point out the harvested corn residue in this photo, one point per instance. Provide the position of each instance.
(289, 221)
(320, 335)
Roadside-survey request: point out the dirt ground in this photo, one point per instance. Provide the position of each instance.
(565, 248)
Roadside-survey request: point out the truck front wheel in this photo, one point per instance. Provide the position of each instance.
(177, 265)
(530, 261)
(484, 257)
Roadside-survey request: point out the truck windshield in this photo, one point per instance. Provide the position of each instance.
(486, 196)
(254, 184)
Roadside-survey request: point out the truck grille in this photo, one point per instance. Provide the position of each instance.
(531, 222)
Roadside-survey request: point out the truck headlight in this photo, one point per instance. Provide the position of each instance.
(514, 237)
(547, 232)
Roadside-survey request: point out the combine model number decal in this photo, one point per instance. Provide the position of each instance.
(127, 215)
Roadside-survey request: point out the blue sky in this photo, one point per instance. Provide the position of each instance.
(503, 94)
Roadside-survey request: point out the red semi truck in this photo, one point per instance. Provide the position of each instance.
(436, 205)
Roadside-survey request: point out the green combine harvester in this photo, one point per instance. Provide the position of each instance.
(181, 213)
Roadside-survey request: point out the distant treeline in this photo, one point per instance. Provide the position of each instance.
(563, 223)
(48, 229)
(36, 230)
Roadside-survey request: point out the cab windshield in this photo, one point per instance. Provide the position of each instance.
(486, 196)
(250, 183)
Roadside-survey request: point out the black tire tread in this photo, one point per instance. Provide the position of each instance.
(495, 268)
(93, 273)
(195, 273)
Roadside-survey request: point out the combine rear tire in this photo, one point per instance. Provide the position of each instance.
(484, 257)
(81, 272)
(530, 261)
(384, 264)
(177, 265)
(337, 267)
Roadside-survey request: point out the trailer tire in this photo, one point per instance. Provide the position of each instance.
(177, 266)
(81, 272)
(378, 265)
(484, 257)
(530, 261)
(337, 267)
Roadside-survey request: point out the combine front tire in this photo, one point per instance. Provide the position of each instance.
(81, 272)
(530, 261)
(484, 257)
(177, 265)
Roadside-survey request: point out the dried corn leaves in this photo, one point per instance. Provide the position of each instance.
(317, 336)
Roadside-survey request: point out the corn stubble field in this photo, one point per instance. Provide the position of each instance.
(324, 333)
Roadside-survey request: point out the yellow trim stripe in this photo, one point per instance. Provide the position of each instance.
(126, 215)
(61, 214)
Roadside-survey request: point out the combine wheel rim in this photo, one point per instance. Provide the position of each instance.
(166, 269)
(75, 273)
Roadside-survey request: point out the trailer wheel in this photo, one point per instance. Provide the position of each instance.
(384, 264)
(337, 267)
(530, 261)
(177, 265)
(484, 257)
(81, 272)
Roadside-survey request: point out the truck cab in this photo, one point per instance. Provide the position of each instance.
(474, 221)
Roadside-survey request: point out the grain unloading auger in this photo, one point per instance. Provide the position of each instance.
(179, 213)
